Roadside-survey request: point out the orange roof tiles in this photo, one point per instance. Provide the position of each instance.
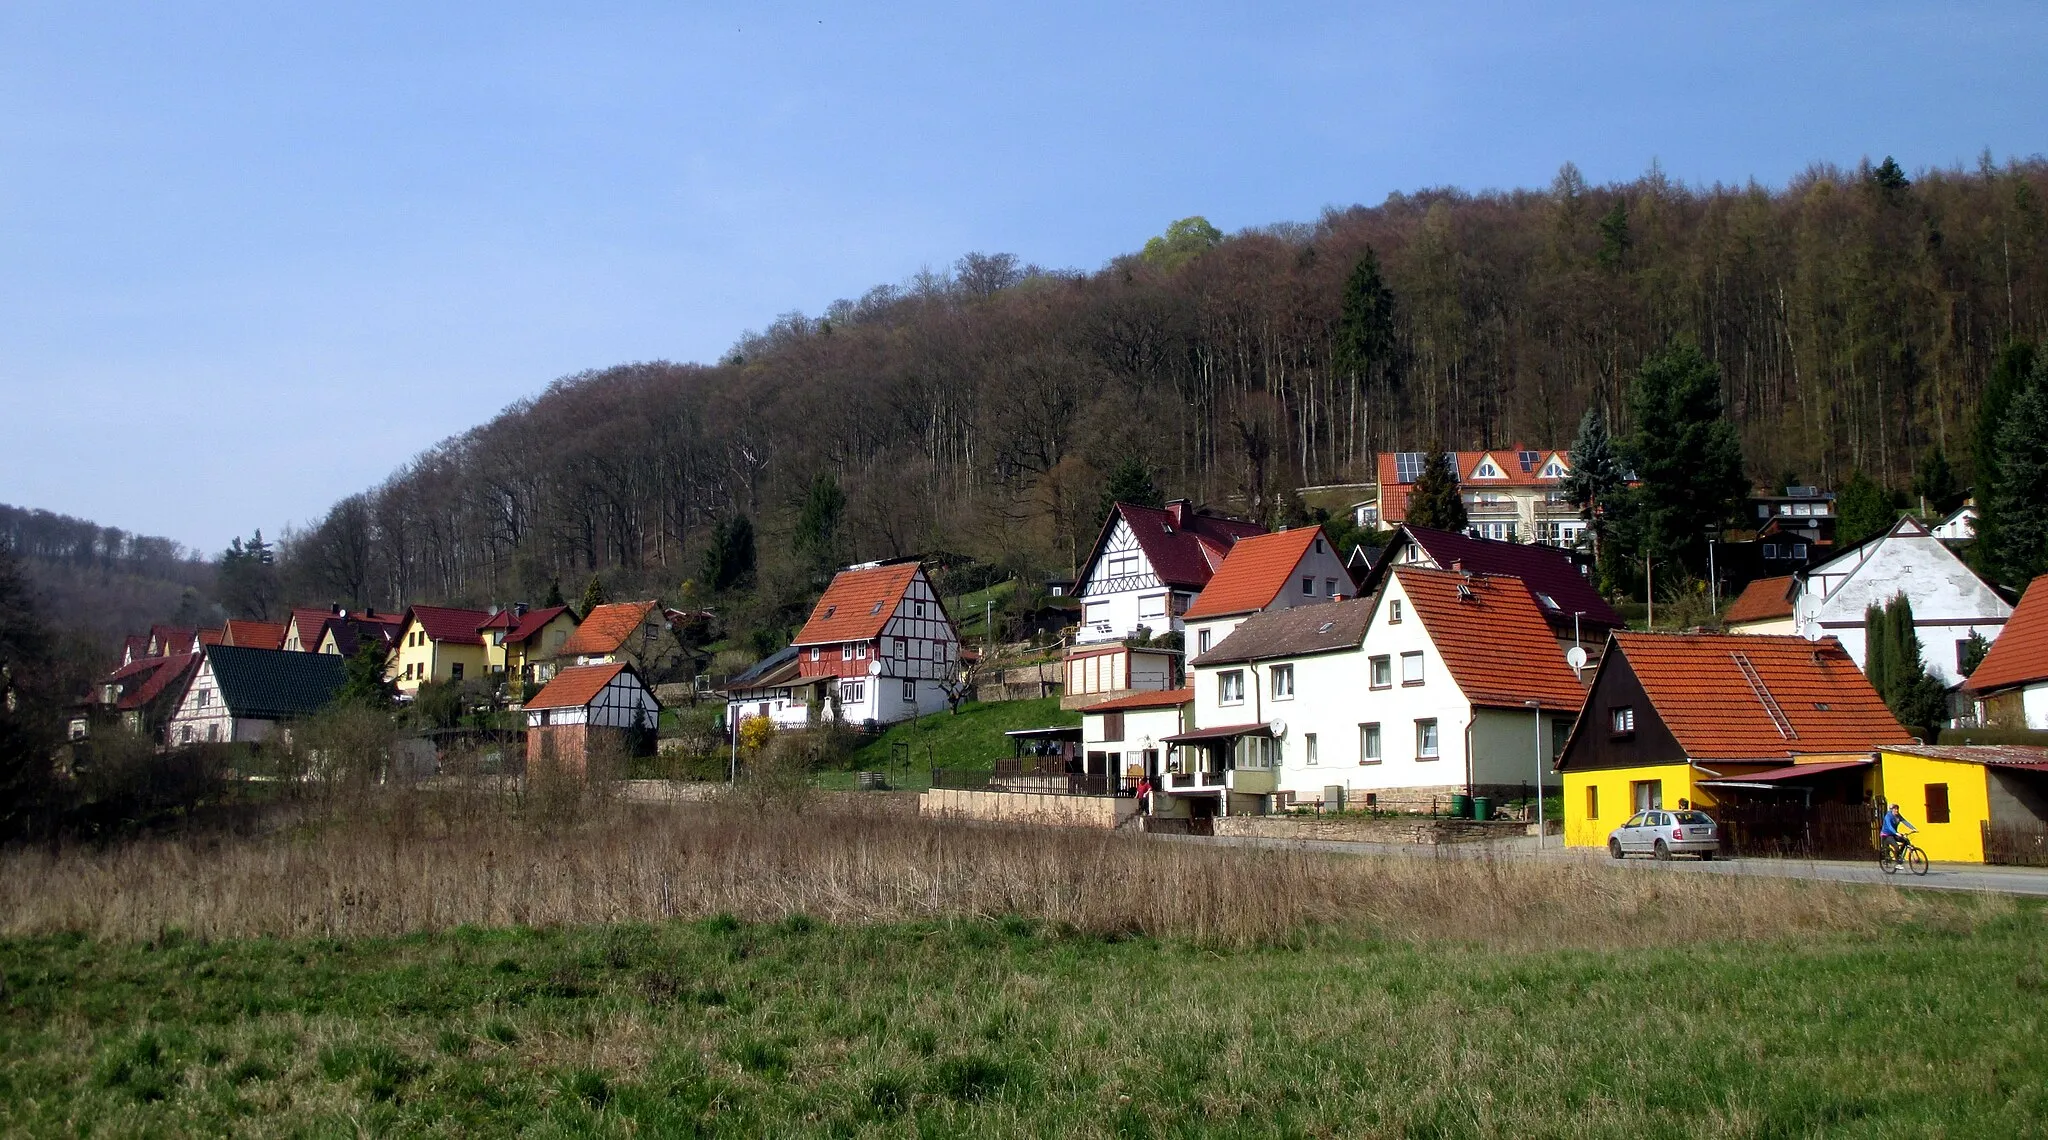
(1254, 573)
(1394, 492)
(1704, 695)
(1495, 642)
(606, 628)
(254, 634)
(1162, 699)
(857, 604)
(2020, 655)
(575, 686)
(1765, 599)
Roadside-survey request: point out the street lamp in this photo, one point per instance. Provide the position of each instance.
(1537, 708)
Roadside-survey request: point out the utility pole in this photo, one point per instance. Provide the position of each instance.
(1537, 708)
(1649, 594)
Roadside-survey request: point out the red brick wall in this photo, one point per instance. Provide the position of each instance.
(563, 747)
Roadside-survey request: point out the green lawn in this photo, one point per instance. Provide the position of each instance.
(973, 739)
(1008, 1028)
(970, 611)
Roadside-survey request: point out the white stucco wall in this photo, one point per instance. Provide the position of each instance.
(1949, 601)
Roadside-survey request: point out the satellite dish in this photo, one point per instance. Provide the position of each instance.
(1575, 657)
(1278, 728)
(874, 668)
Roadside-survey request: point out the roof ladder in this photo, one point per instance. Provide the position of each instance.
(1770, 703)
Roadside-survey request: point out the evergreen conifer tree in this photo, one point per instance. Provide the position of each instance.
(1596, 478)
(2009, 378)
(1862, 510)
(1436, 502)
(2020, 498)
(729, 560)
(1891, 661)
(1934, 481)
(554, 597)
(1131, 483)
(1686, 454)
(593, 595)
(364, 684)
(817, 537)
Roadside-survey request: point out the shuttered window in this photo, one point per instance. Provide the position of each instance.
(1937, 803)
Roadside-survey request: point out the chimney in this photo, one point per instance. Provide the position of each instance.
(519, 609)
(1457, 566)
(334, 607)
(1180, 509)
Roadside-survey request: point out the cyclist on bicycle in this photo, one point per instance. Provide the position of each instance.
(1890, 838)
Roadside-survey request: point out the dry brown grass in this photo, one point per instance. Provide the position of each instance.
(424, 861)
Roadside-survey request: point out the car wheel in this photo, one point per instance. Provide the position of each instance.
(1614, 847)
(1662, 851)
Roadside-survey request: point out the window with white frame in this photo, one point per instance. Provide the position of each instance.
(1369, 743)
(1283, 682)
(1426, 742)
(860, 651)
(1202, 642)
(1308, 749)
(853, 691)
(814, 652)
(846, 653)
(1382, 672)
(1122, 565)
(1411, 668)
(1230, 687)
(1394, 611)
(1152, 606)
(909, 691)
(1621, 720)
(1329, 587)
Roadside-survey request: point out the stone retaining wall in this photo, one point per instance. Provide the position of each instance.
(1101, 812)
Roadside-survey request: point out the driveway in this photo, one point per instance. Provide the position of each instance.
(2032, 881)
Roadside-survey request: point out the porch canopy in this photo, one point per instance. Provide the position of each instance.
(1213, 735)
(1056, 732)
(1788, 777)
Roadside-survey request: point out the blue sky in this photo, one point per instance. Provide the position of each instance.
(255, 256)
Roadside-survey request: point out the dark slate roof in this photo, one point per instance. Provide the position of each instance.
(273, 684)
(1184, 554)
(1547, 571)
(1297, 632)
(763, 667)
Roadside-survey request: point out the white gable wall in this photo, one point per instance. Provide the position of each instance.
(1949, 601)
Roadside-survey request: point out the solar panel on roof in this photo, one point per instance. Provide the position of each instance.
(1528, 459)
(1408, 466)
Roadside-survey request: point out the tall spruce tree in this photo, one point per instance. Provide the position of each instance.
(2018, 547)
(2009, 376)
(1862, 510)
(1891, 661)
(594, 595)
(1934, 482)
(1686, 454)
(1131, 483)
(1366, 344)
(729, 560)
(817, 538)
(1597, 475)
(1436, 501)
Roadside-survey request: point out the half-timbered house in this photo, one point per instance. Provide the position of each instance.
(582, 709)
(1147, 566)
(881, 635)
(241, 695)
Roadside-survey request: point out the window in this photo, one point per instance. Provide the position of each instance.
(1647, 794)
(846, 653)
(1122, 565)
(1112, 726)
(1426, 744)
(1308, 748)
(814, 653)
(853, 691)
(1394, 611)
(902, 647)
(1230, 687)
(1369, 743)
(860, 651)
(909, 691)
(1319, 546)
(1621, 720)
(1202, 642)
(1592, 801)
(1382, 672)
(1308, 585)
(212, 732)
(1098, 615)
(1411, 668)
(1152, 606)
(1283, 682)
(1937, 803)
(1329, 587)
(1770, 550)
(877, 608)
(1560, 735)
(1798, 550)
(455, 671)
(205, 697)
(920, 609)
(830, 610)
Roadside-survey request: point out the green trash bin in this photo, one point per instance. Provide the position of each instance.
(1461, 806)
(1482, 807)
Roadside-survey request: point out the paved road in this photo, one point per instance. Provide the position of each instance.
(1942, 876)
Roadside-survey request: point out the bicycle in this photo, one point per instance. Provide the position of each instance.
(1898, 853)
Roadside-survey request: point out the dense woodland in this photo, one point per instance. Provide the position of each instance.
(104, 582)
(1854, 315)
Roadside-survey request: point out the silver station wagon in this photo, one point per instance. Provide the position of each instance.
(1664, 834)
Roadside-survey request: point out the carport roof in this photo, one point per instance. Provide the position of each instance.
(1787, 775)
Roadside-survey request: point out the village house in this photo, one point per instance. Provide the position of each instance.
(526, 645)
(776, 688)
(1764, 606)
(2010, 686)
(347, 632)
(631, 633)
(1727, 721)
(303, 628)
(1512, 495)
(140, 695)
(1558, 581)
(253, 634)
(882, 636)
(241, 695)
(1123, 740)
(1950, 602)
(1959, 526)
(1263, 573)
(1971, 803)
(1147, 566)
(585, 711)
(438, 643)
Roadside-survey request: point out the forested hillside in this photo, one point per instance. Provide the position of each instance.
(103, 581)
(1854, 315)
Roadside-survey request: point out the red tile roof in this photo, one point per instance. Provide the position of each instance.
(135, 647)
(254, 634)
(1765, 599)
(534, 622)
(210, 636)
(311, 622)
(448, 624)
(1492, 638)
(607, 627)
(1394, 493)
(1162, 699)
(575, 686)
(857, 604)
(1545, 569)
(1704, 695)
(350, 631)
(1254, 573)
(172, 672)
(1184, 545)
(2020, 655)
(170, 640)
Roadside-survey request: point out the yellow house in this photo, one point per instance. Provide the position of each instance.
(1692, 720)
(525, 644)
(439, 643)
(1972, 803)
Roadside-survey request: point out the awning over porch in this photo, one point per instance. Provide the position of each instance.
(1227, 732)
(1056, 732)
(1785, 777)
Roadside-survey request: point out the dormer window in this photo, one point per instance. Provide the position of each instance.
(1553, 470)
(1487, 469)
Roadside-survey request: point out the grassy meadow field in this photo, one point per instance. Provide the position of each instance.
(713, 970)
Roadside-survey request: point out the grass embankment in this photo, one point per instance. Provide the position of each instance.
(972, 740)
(849, 975)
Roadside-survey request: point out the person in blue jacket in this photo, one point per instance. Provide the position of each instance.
(1889, 836)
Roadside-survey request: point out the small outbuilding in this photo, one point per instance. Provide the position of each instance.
(1982, 803)
(587, 707)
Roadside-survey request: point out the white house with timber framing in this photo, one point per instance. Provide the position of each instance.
(881, 644)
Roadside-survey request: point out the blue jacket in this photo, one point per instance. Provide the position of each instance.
(1892, 822)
